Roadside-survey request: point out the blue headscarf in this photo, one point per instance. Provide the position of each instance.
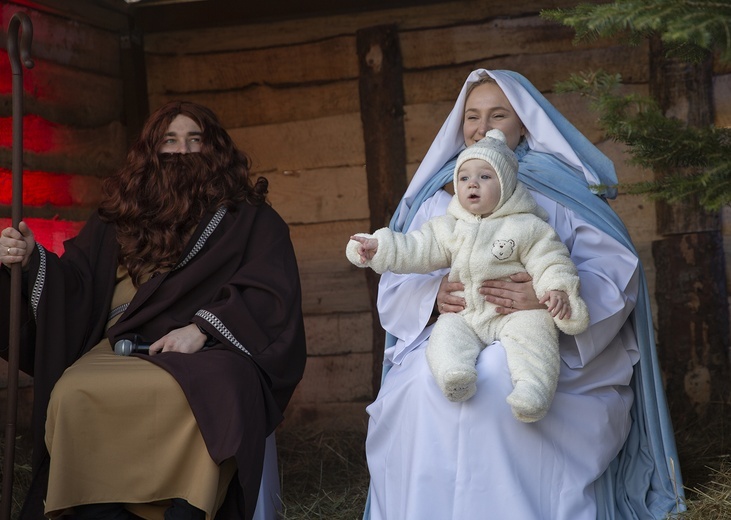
(555, 159)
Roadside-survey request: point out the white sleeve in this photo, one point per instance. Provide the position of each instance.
(405, 301)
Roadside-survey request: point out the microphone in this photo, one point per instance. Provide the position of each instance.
(125, 347)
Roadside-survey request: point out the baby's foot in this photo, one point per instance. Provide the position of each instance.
(528, 401)
(460, 384)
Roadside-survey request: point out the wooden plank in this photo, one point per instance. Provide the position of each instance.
(722, 100)
(720, 66)
(692, 321)
(330, 284)
(543, 70)
(333, 292)
(330, 59)
(68, 42)
(67, 213)
(167, 15)
(326, 416)
(86, 11)
(313, 61)
(294, 31)
(47, 189)
(134, 84)
(451, 45)
(316, 245)
(726, 232)
(321, 195)
(338, 379)
(65, 95)
(267, 104)
(638, 214)
(693, 312)
(382, 113)
(319, 143)
(85, 151)
(335, 334)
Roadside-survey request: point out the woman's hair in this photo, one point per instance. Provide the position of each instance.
(156, 200)
(483, 80)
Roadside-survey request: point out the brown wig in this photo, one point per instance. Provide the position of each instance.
(156, 200)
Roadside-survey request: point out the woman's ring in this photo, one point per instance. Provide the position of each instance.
(512, 304)
(8, 251)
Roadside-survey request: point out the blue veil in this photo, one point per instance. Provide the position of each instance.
(644, 480)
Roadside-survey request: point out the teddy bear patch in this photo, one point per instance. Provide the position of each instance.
(503, 249)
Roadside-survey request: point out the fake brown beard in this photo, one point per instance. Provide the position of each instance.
(166, 205)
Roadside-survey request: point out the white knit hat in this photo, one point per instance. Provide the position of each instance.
(494, 150)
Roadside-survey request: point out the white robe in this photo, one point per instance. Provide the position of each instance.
(432, 459)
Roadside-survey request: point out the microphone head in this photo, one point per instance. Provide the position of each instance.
(124, 347)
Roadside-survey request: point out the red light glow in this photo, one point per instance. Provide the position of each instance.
(55, 189)
(39, 135)
(51, 233)
(39, 188)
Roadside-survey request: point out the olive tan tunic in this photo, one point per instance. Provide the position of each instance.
(113, 465)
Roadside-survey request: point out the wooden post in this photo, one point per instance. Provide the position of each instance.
(693, 327)
(134, 82)
(382, 114)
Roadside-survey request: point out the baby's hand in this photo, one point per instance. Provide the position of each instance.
(367, 249)
(557, 303)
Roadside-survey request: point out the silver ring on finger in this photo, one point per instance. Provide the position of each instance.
(8, 251)
(512, 304)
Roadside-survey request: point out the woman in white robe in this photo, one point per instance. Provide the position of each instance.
(606, 448)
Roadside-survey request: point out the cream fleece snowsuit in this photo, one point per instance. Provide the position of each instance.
(514, 238)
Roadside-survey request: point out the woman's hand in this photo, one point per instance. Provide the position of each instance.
(187, 340)
(16, 246)
(448, 302)
(515, 295)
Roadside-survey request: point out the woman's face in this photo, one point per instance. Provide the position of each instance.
(182, 136)
(486, 108)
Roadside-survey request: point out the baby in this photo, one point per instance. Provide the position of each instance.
(493, 229)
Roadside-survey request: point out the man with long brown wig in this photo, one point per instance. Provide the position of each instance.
(184, 255)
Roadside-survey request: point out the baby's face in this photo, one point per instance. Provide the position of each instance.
(478, 187)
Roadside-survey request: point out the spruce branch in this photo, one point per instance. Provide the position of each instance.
(660, 143)
(688, 28)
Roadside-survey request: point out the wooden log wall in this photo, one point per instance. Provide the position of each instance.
(288, 92)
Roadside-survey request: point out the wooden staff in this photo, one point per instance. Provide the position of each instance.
(15, 54)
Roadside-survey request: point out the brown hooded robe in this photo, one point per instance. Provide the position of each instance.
(237, 278)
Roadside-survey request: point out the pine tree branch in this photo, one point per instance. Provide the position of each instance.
(660, 143)
(688, 28)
